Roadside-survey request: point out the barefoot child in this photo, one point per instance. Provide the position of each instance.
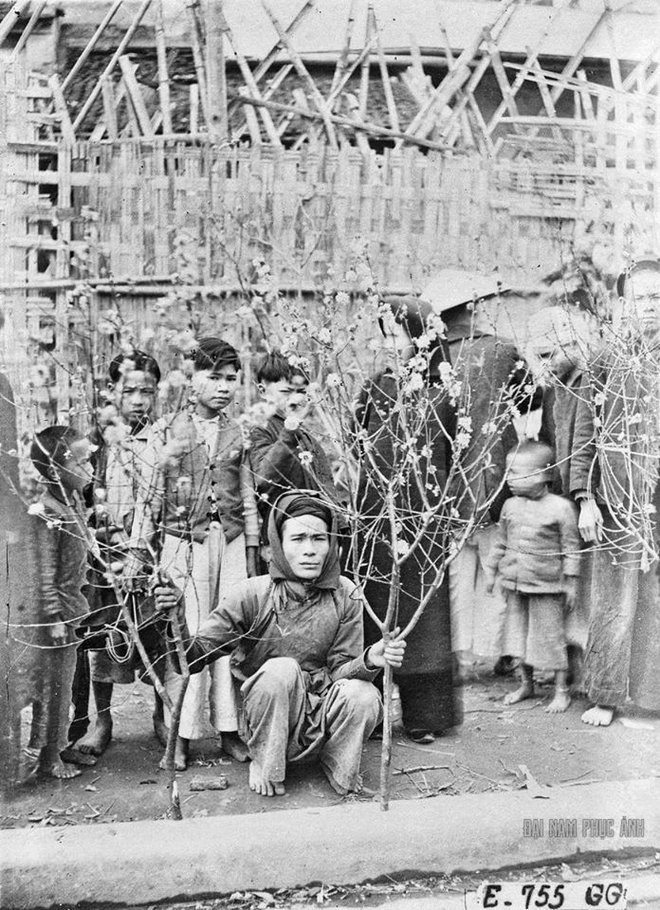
(536, 557)
(61, 456)
(297, 646)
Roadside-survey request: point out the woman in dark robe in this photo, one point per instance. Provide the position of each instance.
(426, 679)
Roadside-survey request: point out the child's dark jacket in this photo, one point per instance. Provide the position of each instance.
(537, 544)
(276, 466)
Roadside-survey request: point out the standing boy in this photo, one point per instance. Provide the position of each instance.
(197, 509)
(133, 385)
(284, 455)
(536, 555)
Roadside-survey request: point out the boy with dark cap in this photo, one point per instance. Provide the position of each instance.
(196, 507)
(284, 454)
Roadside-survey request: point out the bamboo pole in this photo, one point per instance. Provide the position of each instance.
(270, 57)
(66, 126)
(365, 69)
(27, 31)
(91, 44)
(135, 96)
(197, 43)
(342, 60)
(268, 93)
(371, 129)
(392, 112)
(123, 44)
(163, 75)
(250, 82)
(110, 104)
(302, 71)
(11, 17)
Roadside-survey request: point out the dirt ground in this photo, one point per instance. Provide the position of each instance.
(496, 748)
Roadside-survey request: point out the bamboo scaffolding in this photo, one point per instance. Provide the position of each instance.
(303, 72)
(271, 56)
(371, 129)
(252, 86)
(123, 44)
(91, 44)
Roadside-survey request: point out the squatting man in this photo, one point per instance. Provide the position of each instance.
(297, 646)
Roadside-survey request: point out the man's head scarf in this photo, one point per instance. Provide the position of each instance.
(297, 504)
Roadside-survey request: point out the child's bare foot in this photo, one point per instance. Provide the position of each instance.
(560, 702)
(58, 769)
(180, 756)
(260, 783)
(598, 716)
(234, 747)
(97, 740)
(526, 690)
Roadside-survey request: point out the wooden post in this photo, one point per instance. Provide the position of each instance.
(215, 71)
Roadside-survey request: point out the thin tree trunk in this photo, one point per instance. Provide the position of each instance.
(386, 750)
(174, 811)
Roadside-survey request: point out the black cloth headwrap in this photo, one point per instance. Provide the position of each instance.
(295, 504)
(213, 353)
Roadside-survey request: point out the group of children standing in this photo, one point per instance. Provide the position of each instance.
(178, 495)
(186, 496)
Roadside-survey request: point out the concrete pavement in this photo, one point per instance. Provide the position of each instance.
(146, 862)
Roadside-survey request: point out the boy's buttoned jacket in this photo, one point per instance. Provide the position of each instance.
(185, 483)
(537, 544)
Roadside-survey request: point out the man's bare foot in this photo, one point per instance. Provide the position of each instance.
(598, 716)
(180, 756)
(526, 690)
(160, 728)
(560, 702)
(234, 747)
(58, 769)
(260, 783)
(97, 740)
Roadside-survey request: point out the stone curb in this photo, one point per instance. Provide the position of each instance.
(145, 862)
